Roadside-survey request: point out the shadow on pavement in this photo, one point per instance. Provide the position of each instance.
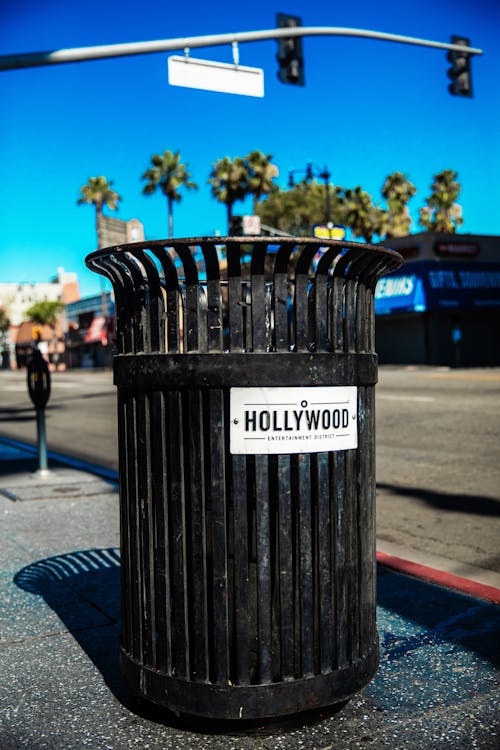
(21, 414)
(19, 466)
(479, 505)
(83, 589)
(22, 463)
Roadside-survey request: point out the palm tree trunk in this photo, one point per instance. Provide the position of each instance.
(104, 301)
(229, 216)
(98, 222)
(170, 217)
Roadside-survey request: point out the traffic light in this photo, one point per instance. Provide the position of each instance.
(460, 71)
(289, 55)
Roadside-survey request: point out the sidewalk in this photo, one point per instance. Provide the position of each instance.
(60, 685)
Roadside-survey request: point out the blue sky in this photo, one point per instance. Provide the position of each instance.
(368, 108)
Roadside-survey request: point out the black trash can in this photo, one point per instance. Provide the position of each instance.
(245, 374)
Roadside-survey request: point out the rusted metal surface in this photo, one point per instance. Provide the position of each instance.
(248, 581)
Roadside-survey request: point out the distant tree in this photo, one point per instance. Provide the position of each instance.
(277, 211)
(4, 321)
(229, 181)
(98, 192)
(363, 217)
(297, 210)
(260, 175)
(397, 191)
(45, 312)
(168, 175)
(441, 213)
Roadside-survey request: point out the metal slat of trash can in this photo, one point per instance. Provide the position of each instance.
(248, 580)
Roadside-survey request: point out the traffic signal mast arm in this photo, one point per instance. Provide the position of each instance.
(80, 54)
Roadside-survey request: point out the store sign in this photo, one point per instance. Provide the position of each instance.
(250, 224)
(293, 420)
(395, 286)
(325, 232)
(399, 294)
(475, 278)
(476, 286)
(457, 249)
(96, 330)
(118, 232)
(471, 278)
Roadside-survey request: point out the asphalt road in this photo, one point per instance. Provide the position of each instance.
(438, 465)
(438, 454)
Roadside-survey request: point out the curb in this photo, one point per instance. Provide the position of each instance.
(440, 577)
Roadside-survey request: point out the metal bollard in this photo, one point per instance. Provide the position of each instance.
(245, 374)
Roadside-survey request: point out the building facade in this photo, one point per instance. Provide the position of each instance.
(443, 306)
(17, 298)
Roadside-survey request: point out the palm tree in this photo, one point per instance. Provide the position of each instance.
(397, 190)
(99, 193)
(229, 180)
(362, 216)
(442, 214)
(261, 173)
(168, 174)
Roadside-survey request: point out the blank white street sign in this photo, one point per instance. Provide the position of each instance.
(215, 76)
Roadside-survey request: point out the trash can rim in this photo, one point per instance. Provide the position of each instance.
(244, 240)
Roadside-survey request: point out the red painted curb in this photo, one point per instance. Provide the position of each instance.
(440, 577)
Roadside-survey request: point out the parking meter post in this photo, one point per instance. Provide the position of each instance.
(41, 440)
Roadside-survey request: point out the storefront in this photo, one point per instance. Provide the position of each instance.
(49, 341)
(440, 312)
(90, 334)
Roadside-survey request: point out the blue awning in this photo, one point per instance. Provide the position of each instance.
(438, 285)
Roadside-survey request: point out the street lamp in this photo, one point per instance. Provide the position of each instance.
(310, 172)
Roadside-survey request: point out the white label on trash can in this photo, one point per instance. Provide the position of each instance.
(293, 420)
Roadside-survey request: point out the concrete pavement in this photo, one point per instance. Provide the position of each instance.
(60, 686)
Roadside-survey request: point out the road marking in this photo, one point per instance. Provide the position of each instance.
(465, 376)
(395, 397)
(56, 384)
